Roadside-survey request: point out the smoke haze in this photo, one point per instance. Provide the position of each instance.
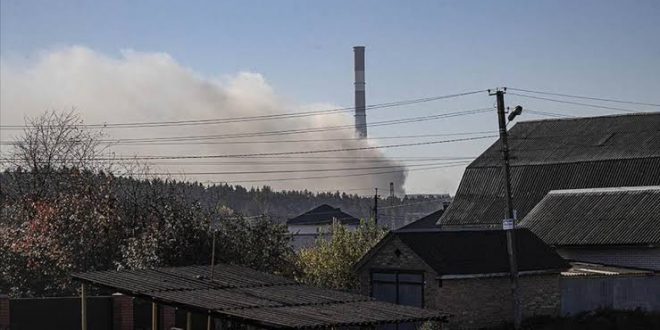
(144, 87)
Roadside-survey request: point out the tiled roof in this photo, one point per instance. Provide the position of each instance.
(609, 151)
(599, 216)
(323, 214)
(254, 298)
(467, 252)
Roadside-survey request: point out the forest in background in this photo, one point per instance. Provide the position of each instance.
(63, 211)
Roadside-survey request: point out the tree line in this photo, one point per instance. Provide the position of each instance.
(62, 211)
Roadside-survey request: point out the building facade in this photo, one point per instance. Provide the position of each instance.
(463, 273)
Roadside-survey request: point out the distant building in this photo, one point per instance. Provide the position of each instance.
(464, 273)
(307, 227)
(611, 226)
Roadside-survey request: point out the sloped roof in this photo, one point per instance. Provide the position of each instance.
(600, 216)
(473, 252)
(465, 252)
(426, 223)
(255, 298)
(323, 214)
(608, 151)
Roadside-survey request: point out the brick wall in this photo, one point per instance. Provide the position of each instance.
(122, 312)
(474, 302)
(479, 302)
(4, 312)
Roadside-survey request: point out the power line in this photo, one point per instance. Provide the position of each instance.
(584, 97)
(189, 142)
(549, 114)
(260, 117)
(402, 167)
(299, 152)
(337, 176)
(575, 103)
(303, 130)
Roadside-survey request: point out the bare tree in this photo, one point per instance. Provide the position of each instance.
(57, 140)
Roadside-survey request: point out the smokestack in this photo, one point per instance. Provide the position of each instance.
(360, 100)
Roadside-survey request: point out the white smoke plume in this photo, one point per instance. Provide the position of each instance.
(144, 87)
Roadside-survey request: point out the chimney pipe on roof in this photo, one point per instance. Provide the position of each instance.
(360, 100)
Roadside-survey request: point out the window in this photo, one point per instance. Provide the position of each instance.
(403, 288)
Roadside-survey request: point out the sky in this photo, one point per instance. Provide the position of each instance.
(414, 49)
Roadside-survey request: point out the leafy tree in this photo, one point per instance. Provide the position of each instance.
(329, 264)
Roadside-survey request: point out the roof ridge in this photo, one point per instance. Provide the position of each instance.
(605, 190)
(513, 164)
(641, 113)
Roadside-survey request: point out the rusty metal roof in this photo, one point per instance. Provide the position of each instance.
(256, 298)
(608, 151)
(601, 216)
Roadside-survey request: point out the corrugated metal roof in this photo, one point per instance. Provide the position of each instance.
(605, 216)
(581, 269)
(609, 151)
(252, 297)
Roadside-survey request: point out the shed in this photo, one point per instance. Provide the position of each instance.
(248, 297)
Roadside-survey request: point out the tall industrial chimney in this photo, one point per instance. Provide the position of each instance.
(360, 100)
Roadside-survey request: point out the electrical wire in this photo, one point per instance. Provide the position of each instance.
(402, 167)
(298, 152)
(584, 97)
(300, 131)
(337, 176)
(193, 142)
(260, 117)
(576, 103)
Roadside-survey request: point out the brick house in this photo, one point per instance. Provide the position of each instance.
(464, 273)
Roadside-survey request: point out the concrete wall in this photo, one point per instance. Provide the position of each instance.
(474, 302)
(586, 293)
(644, 258)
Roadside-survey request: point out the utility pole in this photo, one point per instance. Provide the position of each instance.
(509, 224)
(391, 212)
(376, 207)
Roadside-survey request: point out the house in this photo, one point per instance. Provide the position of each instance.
(464, 273)
(611, 226)
(556, 154)
(307, 227)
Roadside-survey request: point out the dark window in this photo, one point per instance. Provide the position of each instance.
(403, 288)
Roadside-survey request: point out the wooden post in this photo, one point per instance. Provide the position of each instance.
(83, 307)
(188, 321)
(154, 316)
(208, 322)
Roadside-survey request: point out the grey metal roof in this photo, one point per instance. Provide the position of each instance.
(600, 216)
(323, 214)
(252, 297)
(608, 151)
